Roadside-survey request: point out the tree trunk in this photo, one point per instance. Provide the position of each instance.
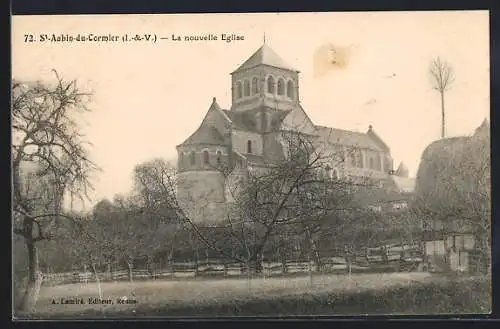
(150, 265)
(447, 252)
(315, 252)
(34, 278)
(85, 274)
(255, 266)
(317, 260)
(262, 265)
(349, 267)
(310, 269)
(130, 265)
(443, 124)
(282, 260)
(249, 276)
(347, 257)
(96, 279)
(109, 272)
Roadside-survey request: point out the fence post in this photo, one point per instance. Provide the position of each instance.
(85, 279)
(262, 265)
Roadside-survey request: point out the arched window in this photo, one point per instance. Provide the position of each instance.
(255, 86)
(249, 146)
(246, 88)
(206, 159)
(335, 174)
(378, 163)
(281, 87)
(270, 85)
(239, 92)
(219, 157)
(289, 89)
(192, 158)
(372, 166)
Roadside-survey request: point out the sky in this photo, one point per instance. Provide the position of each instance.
(150, 96)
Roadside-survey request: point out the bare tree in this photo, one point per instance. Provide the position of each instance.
(47, 140)
(154, 188)
(292, 192)
(91, 235)
(442, 76)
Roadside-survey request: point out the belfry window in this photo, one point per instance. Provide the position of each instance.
(281, 87)
(249, 146)
(206, 159)
(270, 85)
(255, 86)
(289, 89)
(246, 88)
(192, 158)
(219, 157)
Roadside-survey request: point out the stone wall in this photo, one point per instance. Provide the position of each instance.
(240, 139)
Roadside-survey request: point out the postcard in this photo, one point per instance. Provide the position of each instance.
(276, 164)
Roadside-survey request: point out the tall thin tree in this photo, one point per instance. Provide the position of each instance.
(442, 75)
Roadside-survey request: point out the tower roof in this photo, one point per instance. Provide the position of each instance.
(265, 56)
(206, 133)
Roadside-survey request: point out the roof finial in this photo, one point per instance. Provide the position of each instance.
(264, 37)
(214, 99)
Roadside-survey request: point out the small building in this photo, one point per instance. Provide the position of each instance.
(453, 202)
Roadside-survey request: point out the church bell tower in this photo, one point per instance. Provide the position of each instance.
(264, 80)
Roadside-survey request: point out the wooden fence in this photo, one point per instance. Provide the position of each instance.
(214, 268)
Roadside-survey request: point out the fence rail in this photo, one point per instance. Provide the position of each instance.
(215, 268)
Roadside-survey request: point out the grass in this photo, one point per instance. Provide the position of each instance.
(394, 293)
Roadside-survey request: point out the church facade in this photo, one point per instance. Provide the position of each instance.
(265, 102)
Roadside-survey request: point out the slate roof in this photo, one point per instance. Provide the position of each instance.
(242, 120)
(205, 135)
(265, 56)
(347, 137)
(376, 138)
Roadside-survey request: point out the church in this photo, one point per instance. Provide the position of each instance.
(265, 102)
